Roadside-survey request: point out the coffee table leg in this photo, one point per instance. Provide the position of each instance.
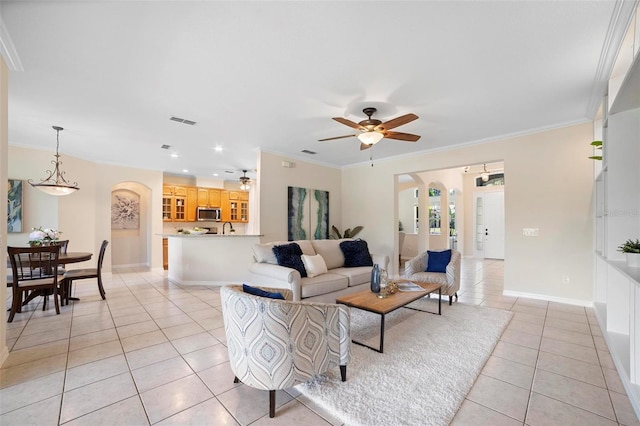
(382, 334)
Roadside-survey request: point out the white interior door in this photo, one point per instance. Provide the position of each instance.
(493, 225)
(489, 225)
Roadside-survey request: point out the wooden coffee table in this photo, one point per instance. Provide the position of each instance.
(369, 301)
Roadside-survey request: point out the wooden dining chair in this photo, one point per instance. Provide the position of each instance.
(33, 272)
(72, 275)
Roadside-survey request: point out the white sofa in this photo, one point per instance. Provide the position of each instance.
(338, 281)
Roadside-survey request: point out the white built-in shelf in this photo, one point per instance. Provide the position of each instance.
(631, 273)
(628, 96)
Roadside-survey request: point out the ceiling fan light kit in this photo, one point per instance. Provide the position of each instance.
(55, 183)
(245, 182)
(373, 130)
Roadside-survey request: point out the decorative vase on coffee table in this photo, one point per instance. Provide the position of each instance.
(375, 279)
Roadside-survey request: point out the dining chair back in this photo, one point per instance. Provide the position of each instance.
(64, 245)
(33, 272)
(72, 275)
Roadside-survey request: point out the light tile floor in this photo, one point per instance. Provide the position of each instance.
(154, 353)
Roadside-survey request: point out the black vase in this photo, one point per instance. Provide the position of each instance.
(375, 279)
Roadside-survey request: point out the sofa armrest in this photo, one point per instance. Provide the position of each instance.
(269, 275)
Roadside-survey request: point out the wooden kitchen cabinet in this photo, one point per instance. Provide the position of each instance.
(208, 197)
(224, 205)
(165, 253)
(214, 197)
(174, 203)
(192, 201)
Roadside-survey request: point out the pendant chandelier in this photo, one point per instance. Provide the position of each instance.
(55, 183)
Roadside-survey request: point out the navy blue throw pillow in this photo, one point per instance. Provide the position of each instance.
(260, 292)
(356, 253)
(437, 261)
(289, 255)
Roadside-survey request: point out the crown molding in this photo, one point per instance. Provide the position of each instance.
(620, 19)
(8, 50)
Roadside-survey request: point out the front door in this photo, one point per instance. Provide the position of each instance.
(489, 225)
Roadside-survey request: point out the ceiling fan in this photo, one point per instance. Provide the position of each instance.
(373, 130)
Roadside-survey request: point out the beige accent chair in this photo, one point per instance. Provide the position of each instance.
(415, 268)
(276, 344)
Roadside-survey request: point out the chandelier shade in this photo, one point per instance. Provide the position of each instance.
(55, 183)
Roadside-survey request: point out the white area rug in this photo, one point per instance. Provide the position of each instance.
(429, 364)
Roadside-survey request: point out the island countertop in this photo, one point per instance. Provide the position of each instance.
(210, 259)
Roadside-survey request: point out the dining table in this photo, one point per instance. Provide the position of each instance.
(63, 259)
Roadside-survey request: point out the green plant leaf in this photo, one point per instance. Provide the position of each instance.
(597, 143)
(596, 157)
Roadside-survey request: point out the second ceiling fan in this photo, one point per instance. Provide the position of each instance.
(373, 130)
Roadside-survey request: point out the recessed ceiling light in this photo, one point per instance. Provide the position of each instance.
(218, 148)
(185, 171)
(174, 155)
(215, 174)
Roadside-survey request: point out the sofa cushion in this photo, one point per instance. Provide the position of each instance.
(356, 275)
(306, 247)
(356, 253)
(260, 292)
(323, 284)
(314, 265)
(289, 255)
(437, 261)
(264, 253)
(330, 252)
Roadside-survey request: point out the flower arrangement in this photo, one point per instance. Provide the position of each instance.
(39, 236)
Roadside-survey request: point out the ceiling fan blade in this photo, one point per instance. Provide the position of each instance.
(348, 123)
(408, 137)
(364, 146)
(398, 121)
(337, 137)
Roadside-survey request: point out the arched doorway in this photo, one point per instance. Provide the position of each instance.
(130, 225)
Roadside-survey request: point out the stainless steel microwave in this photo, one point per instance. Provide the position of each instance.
(209, 214)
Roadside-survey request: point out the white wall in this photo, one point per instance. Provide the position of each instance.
(273, 181)
(550, 185)
(4, 153)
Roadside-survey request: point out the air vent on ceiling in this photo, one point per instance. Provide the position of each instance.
(306, 151)
(165, 146)
(182, 120)
(229, 171)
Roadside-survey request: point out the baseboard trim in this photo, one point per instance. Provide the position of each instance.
(577, 302)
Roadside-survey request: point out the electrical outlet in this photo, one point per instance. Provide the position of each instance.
(530, 232)
(565, 279)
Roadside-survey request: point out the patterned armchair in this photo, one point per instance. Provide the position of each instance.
(414, 269)
(275, 344)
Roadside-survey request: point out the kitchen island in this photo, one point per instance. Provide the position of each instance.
(210, 259)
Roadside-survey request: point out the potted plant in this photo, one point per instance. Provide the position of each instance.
(631, 250)
(348, 233)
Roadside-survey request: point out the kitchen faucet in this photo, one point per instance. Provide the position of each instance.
(230, 229)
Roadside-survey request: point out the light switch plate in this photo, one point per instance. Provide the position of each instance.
(530, 232)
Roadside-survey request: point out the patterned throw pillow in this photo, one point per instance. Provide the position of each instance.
(356, 253)
(289, 255)
(437, 261)
(260, 292)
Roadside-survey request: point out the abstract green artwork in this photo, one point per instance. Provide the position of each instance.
(14, 206)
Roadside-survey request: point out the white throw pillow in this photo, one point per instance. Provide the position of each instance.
(314, 265)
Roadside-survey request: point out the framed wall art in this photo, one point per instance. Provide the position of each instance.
(307, 214)
(14, 206)
(125, 209)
